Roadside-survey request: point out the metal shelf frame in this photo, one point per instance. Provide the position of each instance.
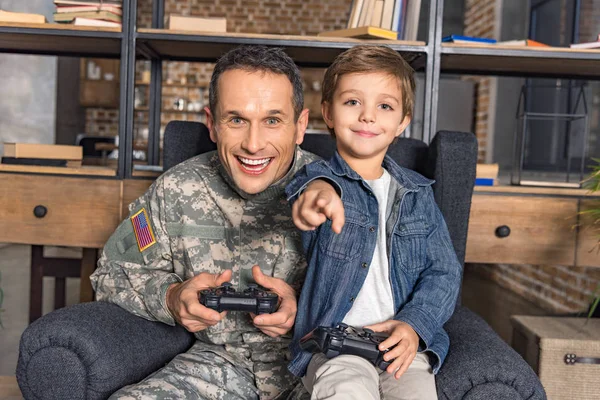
(159, 46)
(60, 42)
(130, 45)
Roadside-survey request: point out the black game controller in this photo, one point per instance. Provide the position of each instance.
(344, 340)
(253, 299)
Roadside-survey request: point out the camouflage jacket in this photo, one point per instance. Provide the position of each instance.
(201, 222)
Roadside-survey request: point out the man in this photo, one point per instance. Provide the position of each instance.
(222, 217)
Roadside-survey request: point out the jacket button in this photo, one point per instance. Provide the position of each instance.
(364, 265)
(372, 229)
(351, 299)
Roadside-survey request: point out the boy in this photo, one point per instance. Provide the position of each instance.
(392, 268)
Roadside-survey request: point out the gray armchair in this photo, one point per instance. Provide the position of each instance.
(90, 350)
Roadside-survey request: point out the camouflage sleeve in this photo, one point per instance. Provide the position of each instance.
(136, 268)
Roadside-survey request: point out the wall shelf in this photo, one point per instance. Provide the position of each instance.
(60, 40)
(520, 61)
(308, 51)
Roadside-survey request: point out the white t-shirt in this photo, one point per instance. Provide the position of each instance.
(375, 301)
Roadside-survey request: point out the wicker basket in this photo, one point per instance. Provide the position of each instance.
(565, 353)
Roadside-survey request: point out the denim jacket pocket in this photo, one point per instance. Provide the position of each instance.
(348, 244)
(411, 244)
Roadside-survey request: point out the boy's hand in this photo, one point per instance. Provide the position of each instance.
(407, 345)
(281, 321)
(317, 203)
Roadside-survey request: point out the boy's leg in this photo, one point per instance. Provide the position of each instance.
(418, 382)
(195, 374)
(343, 377)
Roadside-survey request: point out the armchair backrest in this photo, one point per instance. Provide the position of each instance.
(450, 159)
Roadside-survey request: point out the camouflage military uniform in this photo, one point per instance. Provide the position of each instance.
(202, 223)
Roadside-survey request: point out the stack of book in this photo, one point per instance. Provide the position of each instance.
(381, 19)
(587, 45)
(467, 39)
(47, 155)
(486, 174)
(107, 13)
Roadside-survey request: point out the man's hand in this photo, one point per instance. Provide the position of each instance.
(407, 342)
(317, 203)
(184, 305)
(281, 321)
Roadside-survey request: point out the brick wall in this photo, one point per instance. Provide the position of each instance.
(480, 21)
(293, 17)
(589, 29)
(555, 288)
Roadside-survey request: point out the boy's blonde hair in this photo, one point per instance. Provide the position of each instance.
(367, 59)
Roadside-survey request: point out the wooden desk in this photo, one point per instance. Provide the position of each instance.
(84, 211)
(71, 211)
(544, 226)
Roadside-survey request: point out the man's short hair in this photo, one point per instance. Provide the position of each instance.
(368, 59)
(260, 59)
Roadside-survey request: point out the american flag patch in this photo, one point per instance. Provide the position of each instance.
(142, 229)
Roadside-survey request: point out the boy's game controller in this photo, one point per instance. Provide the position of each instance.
(347, 340)
(225, 298)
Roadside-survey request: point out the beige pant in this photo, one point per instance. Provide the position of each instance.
(351, 377)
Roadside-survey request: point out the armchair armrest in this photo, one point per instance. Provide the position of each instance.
(90, 350)
(481, 366)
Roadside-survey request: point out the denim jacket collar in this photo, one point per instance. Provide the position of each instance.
(408, 179)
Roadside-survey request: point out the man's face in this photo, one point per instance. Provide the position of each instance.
(254, 127)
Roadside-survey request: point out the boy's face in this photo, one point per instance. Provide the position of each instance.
(254, 127)
(366, 114)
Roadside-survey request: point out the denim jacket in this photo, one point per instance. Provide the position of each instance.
(424, 271)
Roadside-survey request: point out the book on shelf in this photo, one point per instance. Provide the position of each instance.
(44, 151)
(486, 174)
(101, 15)
(100, 7)
(485, 182)
(398, 16)
(411, 21)
(586, 45)
(24, 18)
(78, 21)
(467, 40)
(401, 16)
(354, 14)
(362, 32)
(366, 13)
(377, 11)
(523, 42)
(198, 24)
(387, 14)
